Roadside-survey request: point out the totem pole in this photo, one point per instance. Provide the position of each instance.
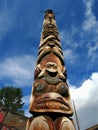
(50, 103)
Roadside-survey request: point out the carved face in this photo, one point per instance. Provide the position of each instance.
(51, 97)
(53, 70)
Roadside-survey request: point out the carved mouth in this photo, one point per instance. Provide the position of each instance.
(52, 104)
(51, 73)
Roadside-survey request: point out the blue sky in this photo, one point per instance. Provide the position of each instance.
(20, 29)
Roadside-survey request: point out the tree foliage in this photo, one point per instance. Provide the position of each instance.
(11, 98)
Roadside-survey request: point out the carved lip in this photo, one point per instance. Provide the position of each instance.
(52, 104)
(47, 99)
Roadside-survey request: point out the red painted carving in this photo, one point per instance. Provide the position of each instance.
(1, 116)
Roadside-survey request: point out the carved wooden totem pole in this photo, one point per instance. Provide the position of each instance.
(50, 103)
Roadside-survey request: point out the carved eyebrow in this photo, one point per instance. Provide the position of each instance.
(43, 54)
(60, 56)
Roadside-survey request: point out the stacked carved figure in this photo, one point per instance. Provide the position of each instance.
(50, 103)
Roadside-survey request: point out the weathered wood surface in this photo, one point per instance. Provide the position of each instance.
(46, 123)
(50, 94)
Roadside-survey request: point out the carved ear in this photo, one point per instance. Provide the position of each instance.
(64, 72)
(37, 71)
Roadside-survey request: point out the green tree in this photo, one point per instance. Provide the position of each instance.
(11, 98)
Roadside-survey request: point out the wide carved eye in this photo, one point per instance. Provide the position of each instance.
(63, 90)
(40, 87)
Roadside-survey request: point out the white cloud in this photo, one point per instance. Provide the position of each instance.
(18, 69)
(27, 113)
(7, 19)
(67, 37)
(86, 101)
(84, 36)
(69, 55)
(92, 51)
(90, 19)
(90, 26)
(90, 22)
(26, 99)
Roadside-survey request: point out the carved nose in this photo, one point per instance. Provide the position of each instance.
(51, 64)
(51, 69)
